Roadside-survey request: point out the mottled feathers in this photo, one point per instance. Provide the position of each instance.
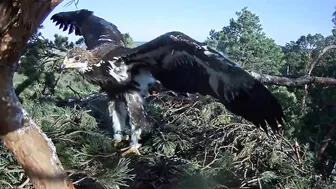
(183, 64)
(94, 29)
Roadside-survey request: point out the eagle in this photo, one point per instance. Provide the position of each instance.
(182, 64)
(101, 36)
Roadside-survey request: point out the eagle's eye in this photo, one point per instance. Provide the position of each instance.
(77, 58)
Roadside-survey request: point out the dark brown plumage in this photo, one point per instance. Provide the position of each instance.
(102, 37)
(95, 30)
(182, 64)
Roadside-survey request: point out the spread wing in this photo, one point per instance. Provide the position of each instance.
(183, 64)
(94, 29)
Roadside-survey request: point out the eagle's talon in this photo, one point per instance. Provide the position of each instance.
(116, 143)
(131, 149)
(126, 137)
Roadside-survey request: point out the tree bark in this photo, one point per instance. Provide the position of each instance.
(293, 82)
(30, 146)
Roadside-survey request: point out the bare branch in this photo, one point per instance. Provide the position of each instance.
(311, 66)
(319, 57)
(293, 82)
(326, 142)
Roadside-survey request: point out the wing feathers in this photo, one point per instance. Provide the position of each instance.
(72, 19)
(257, 105)
(186, 65)
(95, 30)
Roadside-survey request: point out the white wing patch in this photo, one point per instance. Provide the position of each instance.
(120, 73)
(105, 39)
(144, 78)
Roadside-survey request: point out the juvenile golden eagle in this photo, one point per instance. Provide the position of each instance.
(102, 36)
(183, 64)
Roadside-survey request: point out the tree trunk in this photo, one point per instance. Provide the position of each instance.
(30, 146)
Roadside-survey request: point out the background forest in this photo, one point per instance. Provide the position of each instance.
(191, 143)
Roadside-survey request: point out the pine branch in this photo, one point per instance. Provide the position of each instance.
(28, 82)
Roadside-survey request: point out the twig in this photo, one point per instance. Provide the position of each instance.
(297, 152)
(24, 183)
(96, 155)
(251, 181)
(80, 180)
(77, 93)
(216, 152)
(259, 183)
(75, 171)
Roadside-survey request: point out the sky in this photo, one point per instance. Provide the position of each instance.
(282, 20)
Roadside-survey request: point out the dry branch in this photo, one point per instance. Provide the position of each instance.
(325, 143)
(301, 81)
(311, 66)
(30, 146)
(293, 82)
(319, 57)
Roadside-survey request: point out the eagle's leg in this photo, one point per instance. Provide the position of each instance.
(137, 120)
(118, 111)
(134, 144)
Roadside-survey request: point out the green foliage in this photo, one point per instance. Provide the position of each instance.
(245, 42)
(128, 40)
(39, 63)
(190, 144)
(80, 41)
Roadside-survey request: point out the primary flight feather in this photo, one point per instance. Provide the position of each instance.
(95, 30)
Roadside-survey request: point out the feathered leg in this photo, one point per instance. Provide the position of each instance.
(137, 120)
(119, 114)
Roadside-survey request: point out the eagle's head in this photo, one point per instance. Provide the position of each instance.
(80, 59)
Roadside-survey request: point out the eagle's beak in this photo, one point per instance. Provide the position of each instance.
(66, 63)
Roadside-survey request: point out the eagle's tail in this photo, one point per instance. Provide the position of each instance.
(71, 20)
